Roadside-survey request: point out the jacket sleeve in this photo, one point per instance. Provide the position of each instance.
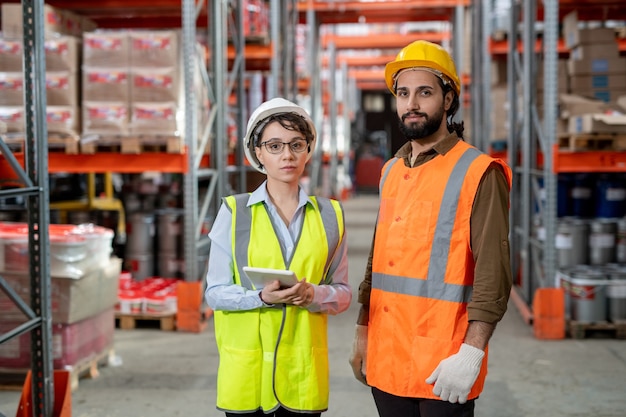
(490, 247)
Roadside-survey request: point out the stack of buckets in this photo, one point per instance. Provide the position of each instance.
(591, 246)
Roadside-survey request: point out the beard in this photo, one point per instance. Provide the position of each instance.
(416, 131)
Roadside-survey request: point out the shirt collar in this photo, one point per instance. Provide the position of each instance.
(442, 147)
(260, 195)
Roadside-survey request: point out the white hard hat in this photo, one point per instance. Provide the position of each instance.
(265, 110)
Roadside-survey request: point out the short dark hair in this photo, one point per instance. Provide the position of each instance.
(288, 120)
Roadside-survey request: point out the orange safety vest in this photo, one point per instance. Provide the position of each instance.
(423, 270)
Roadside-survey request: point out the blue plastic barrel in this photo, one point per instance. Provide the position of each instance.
(581, 195)
(610, 196)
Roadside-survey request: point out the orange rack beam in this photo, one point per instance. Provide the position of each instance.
(108, 162)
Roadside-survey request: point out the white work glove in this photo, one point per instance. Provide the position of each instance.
(455, 376)
(358, 357)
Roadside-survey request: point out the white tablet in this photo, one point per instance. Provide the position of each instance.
(260, 277)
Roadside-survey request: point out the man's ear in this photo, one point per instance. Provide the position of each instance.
(448, 99)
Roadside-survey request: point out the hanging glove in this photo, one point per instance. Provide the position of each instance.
(358, 357)
(455, 376)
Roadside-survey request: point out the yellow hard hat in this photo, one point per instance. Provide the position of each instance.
(426, 55)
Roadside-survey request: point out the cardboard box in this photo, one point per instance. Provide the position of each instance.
(594, 51)
(61, 88)
(573, 105)
(71, 343)
(11, 55)
(603, 94)
(597, 123)
(106, 84)
(12, 24)
(597, 81)
(157, 84)
(59, 119)
(105, 117)
(616, 65)
(62, 54)
(71, 300)
(106, 49)
(499, 68)
(13, 118)
(11, 88)
(63, 119)
(153, 48)
(154, 119)
(574, 36)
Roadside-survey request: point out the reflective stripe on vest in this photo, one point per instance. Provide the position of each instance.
(244, 219)
(434, 286)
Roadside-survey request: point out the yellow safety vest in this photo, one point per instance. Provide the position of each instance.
(249, 376)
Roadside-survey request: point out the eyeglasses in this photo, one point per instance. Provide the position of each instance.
(275, 146)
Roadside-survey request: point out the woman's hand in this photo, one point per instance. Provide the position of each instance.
(300, 294)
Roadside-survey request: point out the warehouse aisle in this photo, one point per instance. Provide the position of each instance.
(173, 374)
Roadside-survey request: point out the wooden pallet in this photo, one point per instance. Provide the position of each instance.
(582, 330)
(133, 145)
(57, 142)
(165, 321)
(258, 39)
(89, 368)
(593, 142)
(13, 379)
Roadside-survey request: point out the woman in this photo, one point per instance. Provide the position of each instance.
(272, 341)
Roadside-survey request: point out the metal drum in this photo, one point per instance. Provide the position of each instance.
(616, 295)
(141, 266)
(602, 235)
(611, 197)
(170, 231)
(620, 246)
(587, 291)
(140, 234)
(571, 242)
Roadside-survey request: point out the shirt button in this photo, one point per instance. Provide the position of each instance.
(398, 218)
(407, 176)
(391, 263)
(385, 309)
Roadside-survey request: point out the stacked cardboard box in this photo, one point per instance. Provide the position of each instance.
(155, 92)
(105, 75)
(62, 66)
(55, 21)
(83, 294)
(595, 68)
(131, 83)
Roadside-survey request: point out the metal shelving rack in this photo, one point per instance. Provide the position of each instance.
(533, 259)
(532, 141)
(34, 178)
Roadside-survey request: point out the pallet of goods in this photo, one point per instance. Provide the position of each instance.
(83, 294)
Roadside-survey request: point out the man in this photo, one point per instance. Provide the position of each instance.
(439, 276)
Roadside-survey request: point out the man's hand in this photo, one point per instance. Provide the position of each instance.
(455, 376)
(358, 357)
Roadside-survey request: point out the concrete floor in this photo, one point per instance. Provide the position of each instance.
(173, 373)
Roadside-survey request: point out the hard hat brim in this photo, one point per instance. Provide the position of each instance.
(392, 68)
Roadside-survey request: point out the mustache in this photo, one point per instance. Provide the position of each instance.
(414, 113)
